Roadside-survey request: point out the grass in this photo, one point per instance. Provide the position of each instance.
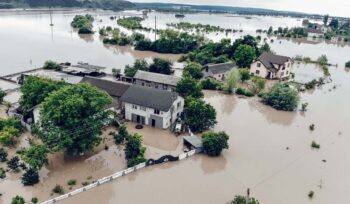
(314, 145)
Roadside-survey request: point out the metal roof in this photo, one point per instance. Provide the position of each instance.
(113, 88)
(156, 77)
(194, 141)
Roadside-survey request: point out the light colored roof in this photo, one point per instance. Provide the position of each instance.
(194, 141)
(56, 75)
(158, 78)
(211, 69)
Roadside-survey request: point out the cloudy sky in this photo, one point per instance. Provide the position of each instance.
(332, 7)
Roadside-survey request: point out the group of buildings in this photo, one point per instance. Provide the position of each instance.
(149, 98)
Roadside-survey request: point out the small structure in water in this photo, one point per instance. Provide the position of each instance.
(193, 142)
(179, 15)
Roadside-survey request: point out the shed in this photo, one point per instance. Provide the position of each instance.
(193, 142)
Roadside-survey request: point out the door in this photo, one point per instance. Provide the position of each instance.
(153, 123)
(138, 119)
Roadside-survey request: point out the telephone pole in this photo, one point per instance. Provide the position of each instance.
(155, 28)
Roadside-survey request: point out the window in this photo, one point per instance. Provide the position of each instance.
(134, 107)
(283, 68)
(157, 112)
(179, 104)
(143, 84)
(142, 108)
(257, 71)
(259, 64)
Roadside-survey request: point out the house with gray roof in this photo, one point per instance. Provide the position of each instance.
(153, 107)
(271, 66)
(156, 80)
(218, 71)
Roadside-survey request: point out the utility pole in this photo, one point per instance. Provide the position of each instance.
(51, 24)
(155, 28)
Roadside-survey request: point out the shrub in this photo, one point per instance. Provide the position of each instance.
(243, 200)
(315, 145)
(122, 135)
(85, 183)
(2, 95)
(245, 92)
(72, 182)
(311, 194)
(282, 97)
(312, 127)
(210, 84)
(18, 200)
(3, 155)
(214, 143)
(13, 164)
(30, 177)
(245, 74)
(35, 200)
(58, 189)
(2, 173)
(49, 64)
(347, 64)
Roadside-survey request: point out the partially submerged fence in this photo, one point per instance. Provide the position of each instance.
(120, 174)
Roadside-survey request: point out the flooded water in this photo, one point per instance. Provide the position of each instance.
(269, 151)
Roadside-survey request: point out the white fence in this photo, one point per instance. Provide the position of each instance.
(108, 179)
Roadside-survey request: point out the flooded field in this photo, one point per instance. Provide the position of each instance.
(269, 151)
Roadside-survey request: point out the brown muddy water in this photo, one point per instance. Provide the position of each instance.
(269, 151)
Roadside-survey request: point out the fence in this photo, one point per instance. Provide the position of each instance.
(111, 178)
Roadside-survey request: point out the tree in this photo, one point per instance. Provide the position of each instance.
(2, 95)
(18, 200)
(232, 80)
(322, 60)
(122, 135)
(347, 64)
(134, 152)
(13, 164)
(210, 84)
(325, 19)
(269, 32)
(3, 155)
(35, 156)
(258, 84)
(30, 177)
(130, 71)
(10, 128)
(199, 115)
(243, 200)
(188, 86)
(282, 97)
(214, 143)
(35, 90)
(161, 66)
(244, 55)
(193, 70)
(49, 64)
(334, 23)
(72, 118)
(245, 74)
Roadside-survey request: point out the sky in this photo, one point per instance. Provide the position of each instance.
(332, 7)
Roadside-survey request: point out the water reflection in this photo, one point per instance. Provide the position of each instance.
(212, 165)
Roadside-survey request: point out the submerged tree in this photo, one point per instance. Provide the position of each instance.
(244, 200)
(189, 87)
(30, 177)
(194, 70)
(35, 156)
(130, 71)
(244, 55)
(161, 66)
(134, 151)
(18, 200)
(214, 143)
(282, 97)
(200, 115)
(73, 117)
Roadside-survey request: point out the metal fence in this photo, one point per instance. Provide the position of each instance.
(109, 178)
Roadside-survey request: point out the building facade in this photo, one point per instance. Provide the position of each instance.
(156, 81)
(218, 72)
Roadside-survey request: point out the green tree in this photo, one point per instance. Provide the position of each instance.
(347, 64)
(243, 200)
(244, 55)
(269, 32)
(35, 90)
(49, 64)
(30, 177)
(199, 115)
(322, 60)
(3, 155)
(188, 86)
(258, 84)
(134, 152)
(232, 80)
(2, 95)
(13, 163)
(35, 156)
(245, 74)
(122, 135)
(210, 84)
(73, 117)
(334, 23)
(162, 66)
(325, 19)
(282, 97)
(193, 70)
(18, 200)
(214, 143)
(139, 64)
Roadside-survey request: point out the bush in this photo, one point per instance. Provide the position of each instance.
(122, 135)
(58, 189)
(2, 173)
(194, 70)
(282, 97)
(18, 200)
(3, 155)
(30, 177)
(13, 164)
(51, 65)
(35, 200)
(244, 200)
(2, 95)
(315, 145)
(245, 74)
(311, 194)
(214, 143)
(347, 64)
(72, 182)
(245, 92)
(210, 84)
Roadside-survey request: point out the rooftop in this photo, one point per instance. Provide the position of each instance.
(219, 68)
(113, 88)
(158, 78)
(148, 97)
(268, 60)
(56, 75)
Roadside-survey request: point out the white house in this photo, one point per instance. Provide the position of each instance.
(217, 71)
(154, 107)
(271, 66)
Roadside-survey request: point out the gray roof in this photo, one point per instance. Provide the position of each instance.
(148, 97)
(311, 30)
(55, 75)
(194, 141)
(268, 60)
(218, 68)
(158, 78)
(113, 88)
